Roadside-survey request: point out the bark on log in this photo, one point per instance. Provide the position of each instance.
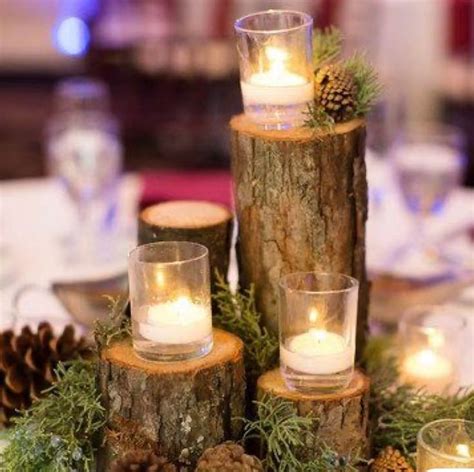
(177, 409)
(341, 420)
(206, 223)
(301, 203)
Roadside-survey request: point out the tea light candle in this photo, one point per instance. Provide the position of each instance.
(276, 85)
(176, 322)
(317, 352)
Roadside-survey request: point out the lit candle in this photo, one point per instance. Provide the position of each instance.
(317, 351)
(276, 85)
(176, 322)
(427, 368)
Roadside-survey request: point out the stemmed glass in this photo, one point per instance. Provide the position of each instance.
(429, 165)
(85, 154)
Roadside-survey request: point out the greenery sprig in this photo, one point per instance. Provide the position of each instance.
(366, 81)
(399, 411)
(237, 313)
(281, 433)
(60, 431)
(116, 326)
(327, 45)
(327, 48)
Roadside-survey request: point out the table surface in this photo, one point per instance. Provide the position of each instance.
(35, 214)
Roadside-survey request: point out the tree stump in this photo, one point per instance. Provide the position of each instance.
(301, 203)
(177, 409)
(206, 223)
(341, 420)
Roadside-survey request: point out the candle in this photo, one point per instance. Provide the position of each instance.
(176, 322)
(427, 367)
(317, 352)
(276, 85)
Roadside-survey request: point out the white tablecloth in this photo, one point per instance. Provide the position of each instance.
(34, 215)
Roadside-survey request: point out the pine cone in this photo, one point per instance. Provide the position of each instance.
(228, 457)
(27, 363)
(142, 461)
(336, 92)
(391, 460)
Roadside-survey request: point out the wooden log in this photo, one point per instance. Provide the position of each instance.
(206, 223)
(301, 203)
(177, 409)
(341, 420)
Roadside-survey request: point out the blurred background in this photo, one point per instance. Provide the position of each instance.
(149, 118)
(171, 69)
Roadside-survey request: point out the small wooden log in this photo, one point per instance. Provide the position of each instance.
(177, 409)
(206, 223)
(341, 420)
(301, 204)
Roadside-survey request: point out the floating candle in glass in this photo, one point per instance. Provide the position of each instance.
(430, 339)
(318, 315)
(446, 445)
(170, 300)
(275, 55)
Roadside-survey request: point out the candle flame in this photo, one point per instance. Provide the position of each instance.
(160, 278)
(426, 358)
(313, 315)
(277, 58)
(462, 450)
(182, 305)
(435, 337)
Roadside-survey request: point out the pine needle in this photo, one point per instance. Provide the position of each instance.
(327, 45)
(399, 411)
(367, 83)
(59, 432)
(317, 118)
(116, 326)
(282, 433)
(238, 314)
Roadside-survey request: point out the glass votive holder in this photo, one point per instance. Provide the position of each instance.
(276, 68)
(318, 317)
(170, 298)
(446, 445)
(431, 339)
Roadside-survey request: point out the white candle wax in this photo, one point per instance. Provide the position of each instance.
(317, 352)
(428, 369)
(176, 322)
(276, 85)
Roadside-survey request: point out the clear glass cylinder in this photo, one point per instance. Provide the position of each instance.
(318, 317)
(276, 67)
(431, 339)
(446, 445)
(170, 298)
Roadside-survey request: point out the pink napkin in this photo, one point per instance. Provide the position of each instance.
(165, 185)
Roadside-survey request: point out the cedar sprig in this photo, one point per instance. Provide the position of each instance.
(317, 118)
(237, 313)
(281, 433)
(366, 81)
(60, 431)
(327, 45)
(398, 411)
(116, 326)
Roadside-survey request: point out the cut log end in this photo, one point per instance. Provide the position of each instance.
(243, 124)
(272, 383)
(186, 214)
(226, 348)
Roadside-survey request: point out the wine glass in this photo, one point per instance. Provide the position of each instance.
(85, 154)
(429, 166)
